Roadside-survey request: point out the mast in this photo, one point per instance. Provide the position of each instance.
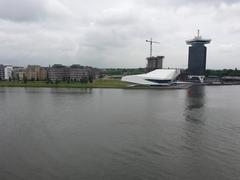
(151, 45)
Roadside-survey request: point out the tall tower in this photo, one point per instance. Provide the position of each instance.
(197, 57)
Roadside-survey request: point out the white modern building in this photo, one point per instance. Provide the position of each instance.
(157, 77)
(8, 72)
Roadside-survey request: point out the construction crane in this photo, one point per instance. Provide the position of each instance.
(151, 44)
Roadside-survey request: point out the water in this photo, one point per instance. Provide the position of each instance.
(72, 134)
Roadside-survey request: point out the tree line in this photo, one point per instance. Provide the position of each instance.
(132, 71)
(123, 71)
(223, 72)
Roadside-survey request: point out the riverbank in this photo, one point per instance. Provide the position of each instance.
(96, 84)
(109, 83)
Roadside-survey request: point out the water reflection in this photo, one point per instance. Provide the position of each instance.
(72, 90)
(28, 90)
(194, 135)
(194, 104)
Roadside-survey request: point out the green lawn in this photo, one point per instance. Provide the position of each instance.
(96, 84)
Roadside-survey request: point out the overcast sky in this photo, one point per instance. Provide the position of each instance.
(110, 33)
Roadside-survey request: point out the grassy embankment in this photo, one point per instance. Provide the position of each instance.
(96, 84)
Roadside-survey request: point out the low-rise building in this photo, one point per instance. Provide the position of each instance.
(8, 69)
(43, 73)
(77, 72)
(32, 72)
(158, 77)
(58, 72)
(36, 72)
(1, 72)
(92, 73)
(18, 73)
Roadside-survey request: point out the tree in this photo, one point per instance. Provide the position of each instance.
(84, 80)
(57, 82)
(90, 79)
(24, 80)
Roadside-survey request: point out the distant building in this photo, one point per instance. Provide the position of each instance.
(158, 77)
(154, 63)
(8, 69)
(32, 72)
(18, 73)
(77, 72)
(36, 72)
(58, 72)
(1, 72)
(43, 73)
(197, 56)
(92, 73)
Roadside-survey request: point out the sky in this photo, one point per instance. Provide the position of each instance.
(113, 34)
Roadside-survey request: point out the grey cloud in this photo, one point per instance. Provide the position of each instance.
(101, 39)
(113, 34)
(22, 10)
(32, 10)
(184, 3)
(214, 1)
(206, 1)
(120, 17)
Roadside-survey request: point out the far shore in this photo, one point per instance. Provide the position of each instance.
(100, 83)
(110, 83)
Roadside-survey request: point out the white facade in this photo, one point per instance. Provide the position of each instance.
(156, 77)
(8, 72)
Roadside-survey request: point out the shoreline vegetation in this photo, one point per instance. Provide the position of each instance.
(109, 83)
(110, 78)
(99, 83)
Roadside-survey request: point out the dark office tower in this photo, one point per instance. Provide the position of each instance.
(197, 56)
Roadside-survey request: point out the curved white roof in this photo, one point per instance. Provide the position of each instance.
(156, 77)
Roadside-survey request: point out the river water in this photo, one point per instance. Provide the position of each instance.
(116, 134)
